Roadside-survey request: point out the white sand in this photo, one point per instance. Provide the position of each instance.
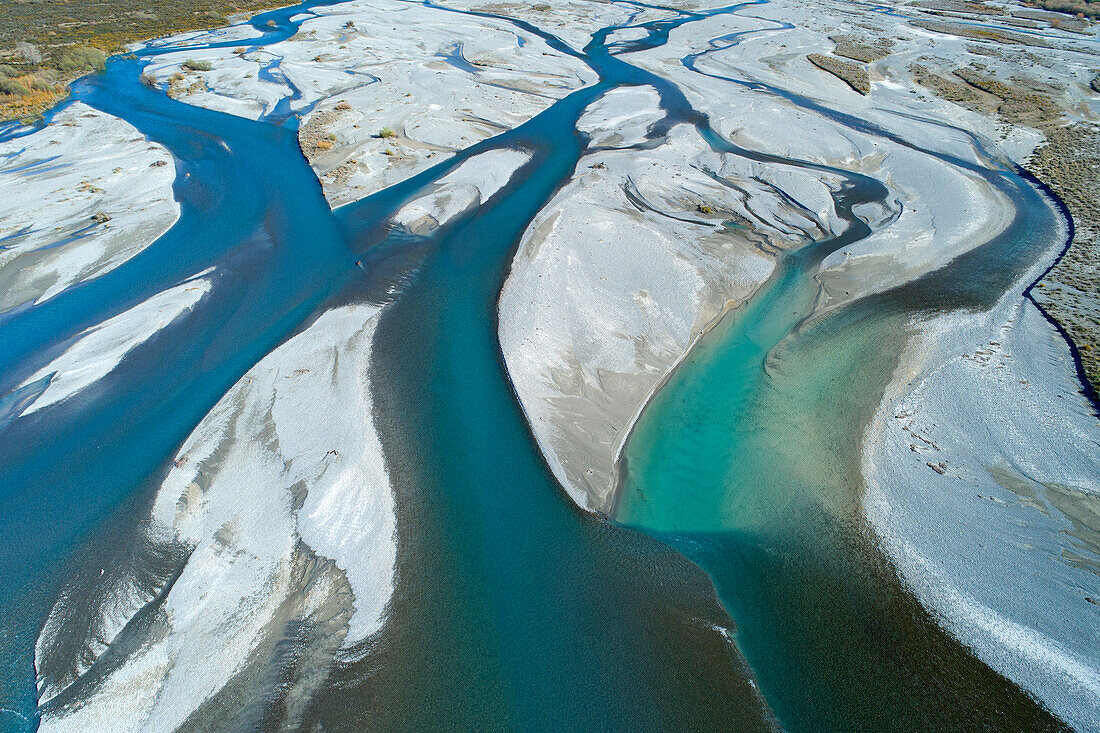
(99, 349)
(441, 81)
(604, 298)
(476, 180)
(286, 468)
(54, 180)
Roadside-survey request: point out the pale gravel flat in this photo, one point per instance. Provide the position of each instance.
(282, 499)
(1003, 545)
(54, 180)
(98, 350)
(440, 81)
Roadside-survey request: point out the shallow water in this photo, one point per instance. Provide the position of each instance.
(252, 209)
(513, 609)
(748, 461)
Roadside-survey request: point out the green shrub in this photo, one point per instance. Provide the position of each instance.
(39, 84)
(386, 132)
(6, 70)
(197, 65)
(82, 58)
(13, 87)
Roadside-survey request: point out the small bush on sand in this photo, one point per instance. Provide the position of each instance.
(195, 65)
(386, 132)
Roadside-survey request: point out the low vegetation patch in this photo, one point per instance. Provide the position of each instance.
(81, 60)
(953, 91)
(1085, 8)
(970, 7)
(1069, 162)
(1020, 100)
(852, 74)
(862, 49)
(981, 34)
(24, 94)
(46, 44)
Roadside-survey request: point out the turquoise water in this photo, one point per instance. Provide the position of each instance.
(748, 461)
(513, 609)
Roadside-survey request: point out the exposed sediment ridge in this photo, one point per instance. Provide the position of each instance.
(377, 105)
(79, 197)
(99, 349)
(279, 513)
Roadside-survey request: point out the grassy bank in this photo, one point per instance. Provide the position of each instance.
(45, 44)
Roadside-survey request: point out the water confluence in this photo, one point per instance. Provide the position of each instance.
(513, 609)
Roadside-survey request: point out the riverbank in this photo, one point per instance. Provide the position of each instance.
(45, 46)
(1032, 70)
